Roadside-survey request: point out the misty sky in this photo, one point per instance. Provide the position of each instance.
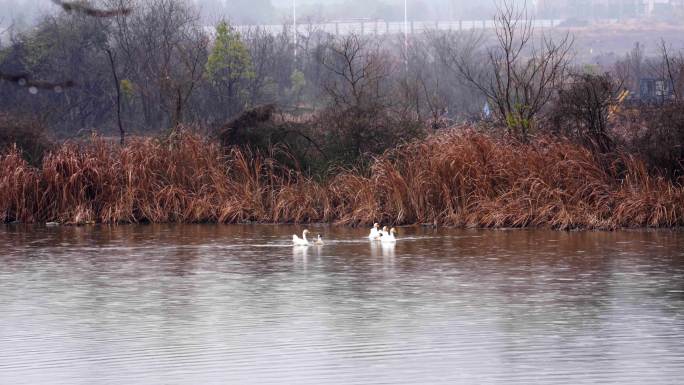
(26, 12)
(262, 11)
(394, 9)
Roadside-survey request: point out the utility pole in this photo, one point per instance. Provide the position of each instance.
(294, 26)
(406, 35)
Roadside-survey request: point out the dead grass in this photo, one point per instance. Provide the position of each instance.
(458, 178)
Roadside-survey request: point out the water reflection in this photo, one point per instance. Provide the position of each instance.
(388, 250)
(300, 255)
(240, 304)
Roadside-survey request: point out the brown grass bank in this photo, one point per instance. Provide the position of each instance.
(456, 178)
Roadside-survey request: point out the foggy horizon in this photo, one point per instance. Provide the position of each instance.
(278, 11)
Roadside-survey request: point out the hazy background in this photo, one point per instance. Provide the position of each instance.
(603, 29)
(25, 12)
(269, 11)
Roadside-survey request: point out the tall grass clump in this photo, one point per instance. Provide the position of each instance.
(19, 188)
(458, 178)
(474, 180)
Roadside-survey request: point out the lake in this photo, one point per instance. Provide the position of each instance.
(211, 304)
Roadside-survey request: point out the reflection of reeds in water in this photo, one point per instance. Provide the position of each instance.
(462, 179)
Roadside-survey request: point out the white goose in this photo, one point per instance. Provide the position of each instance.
(389, 238)
(374, 233)
(300, 241)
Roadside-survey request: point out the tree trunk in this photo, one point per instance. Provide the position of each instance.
(122, 132)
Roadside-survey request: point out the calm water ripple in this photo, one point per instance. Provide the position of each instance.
(207, 304)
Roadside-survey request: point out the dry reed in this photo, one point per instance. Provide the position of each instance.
(457, 178)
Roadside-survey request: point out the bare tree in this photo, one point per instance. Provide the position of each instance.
(273, 65)
(671, 69)
(357, 72)
(517, 76)
(353, 87)
(428, 92)
(361, 90)
(117, 87)
(162, 50)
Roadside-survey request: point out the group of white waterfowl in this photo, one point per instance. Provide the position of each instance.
(376, 234)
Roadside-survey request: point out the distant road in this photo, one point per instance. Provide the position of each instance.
(381, 27)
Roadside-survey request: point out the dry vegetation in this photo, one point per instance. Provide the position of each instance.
(459, 178)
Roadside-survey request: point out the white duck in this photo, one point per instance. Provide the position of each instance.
(374, 233)
(389, 238)
(300, 241)
(319, 241)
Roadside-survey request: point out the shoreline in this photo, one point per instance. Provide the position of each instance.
(335, 225)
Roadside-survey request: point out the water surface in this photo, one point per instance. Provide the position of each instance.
(208, 304)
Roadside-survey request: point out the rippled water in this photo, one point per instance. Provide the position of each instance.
(207, 304)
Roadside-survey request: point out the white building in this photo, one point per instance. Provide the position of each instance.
(607, 9)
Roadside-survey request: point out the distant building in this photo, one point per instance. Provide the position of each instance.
(653, 90)
(590, 9)
(605, 9)
(663, 7)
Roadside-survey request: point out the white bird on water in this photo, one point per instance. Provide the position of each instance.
(300, 241)
(319, 241)
(389, 238)
(374, 233)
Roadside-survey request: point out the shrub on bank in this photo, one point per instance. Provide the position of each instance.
(27, 135)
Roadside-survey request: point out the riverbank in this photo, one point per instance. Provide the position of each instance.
(463, 179)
